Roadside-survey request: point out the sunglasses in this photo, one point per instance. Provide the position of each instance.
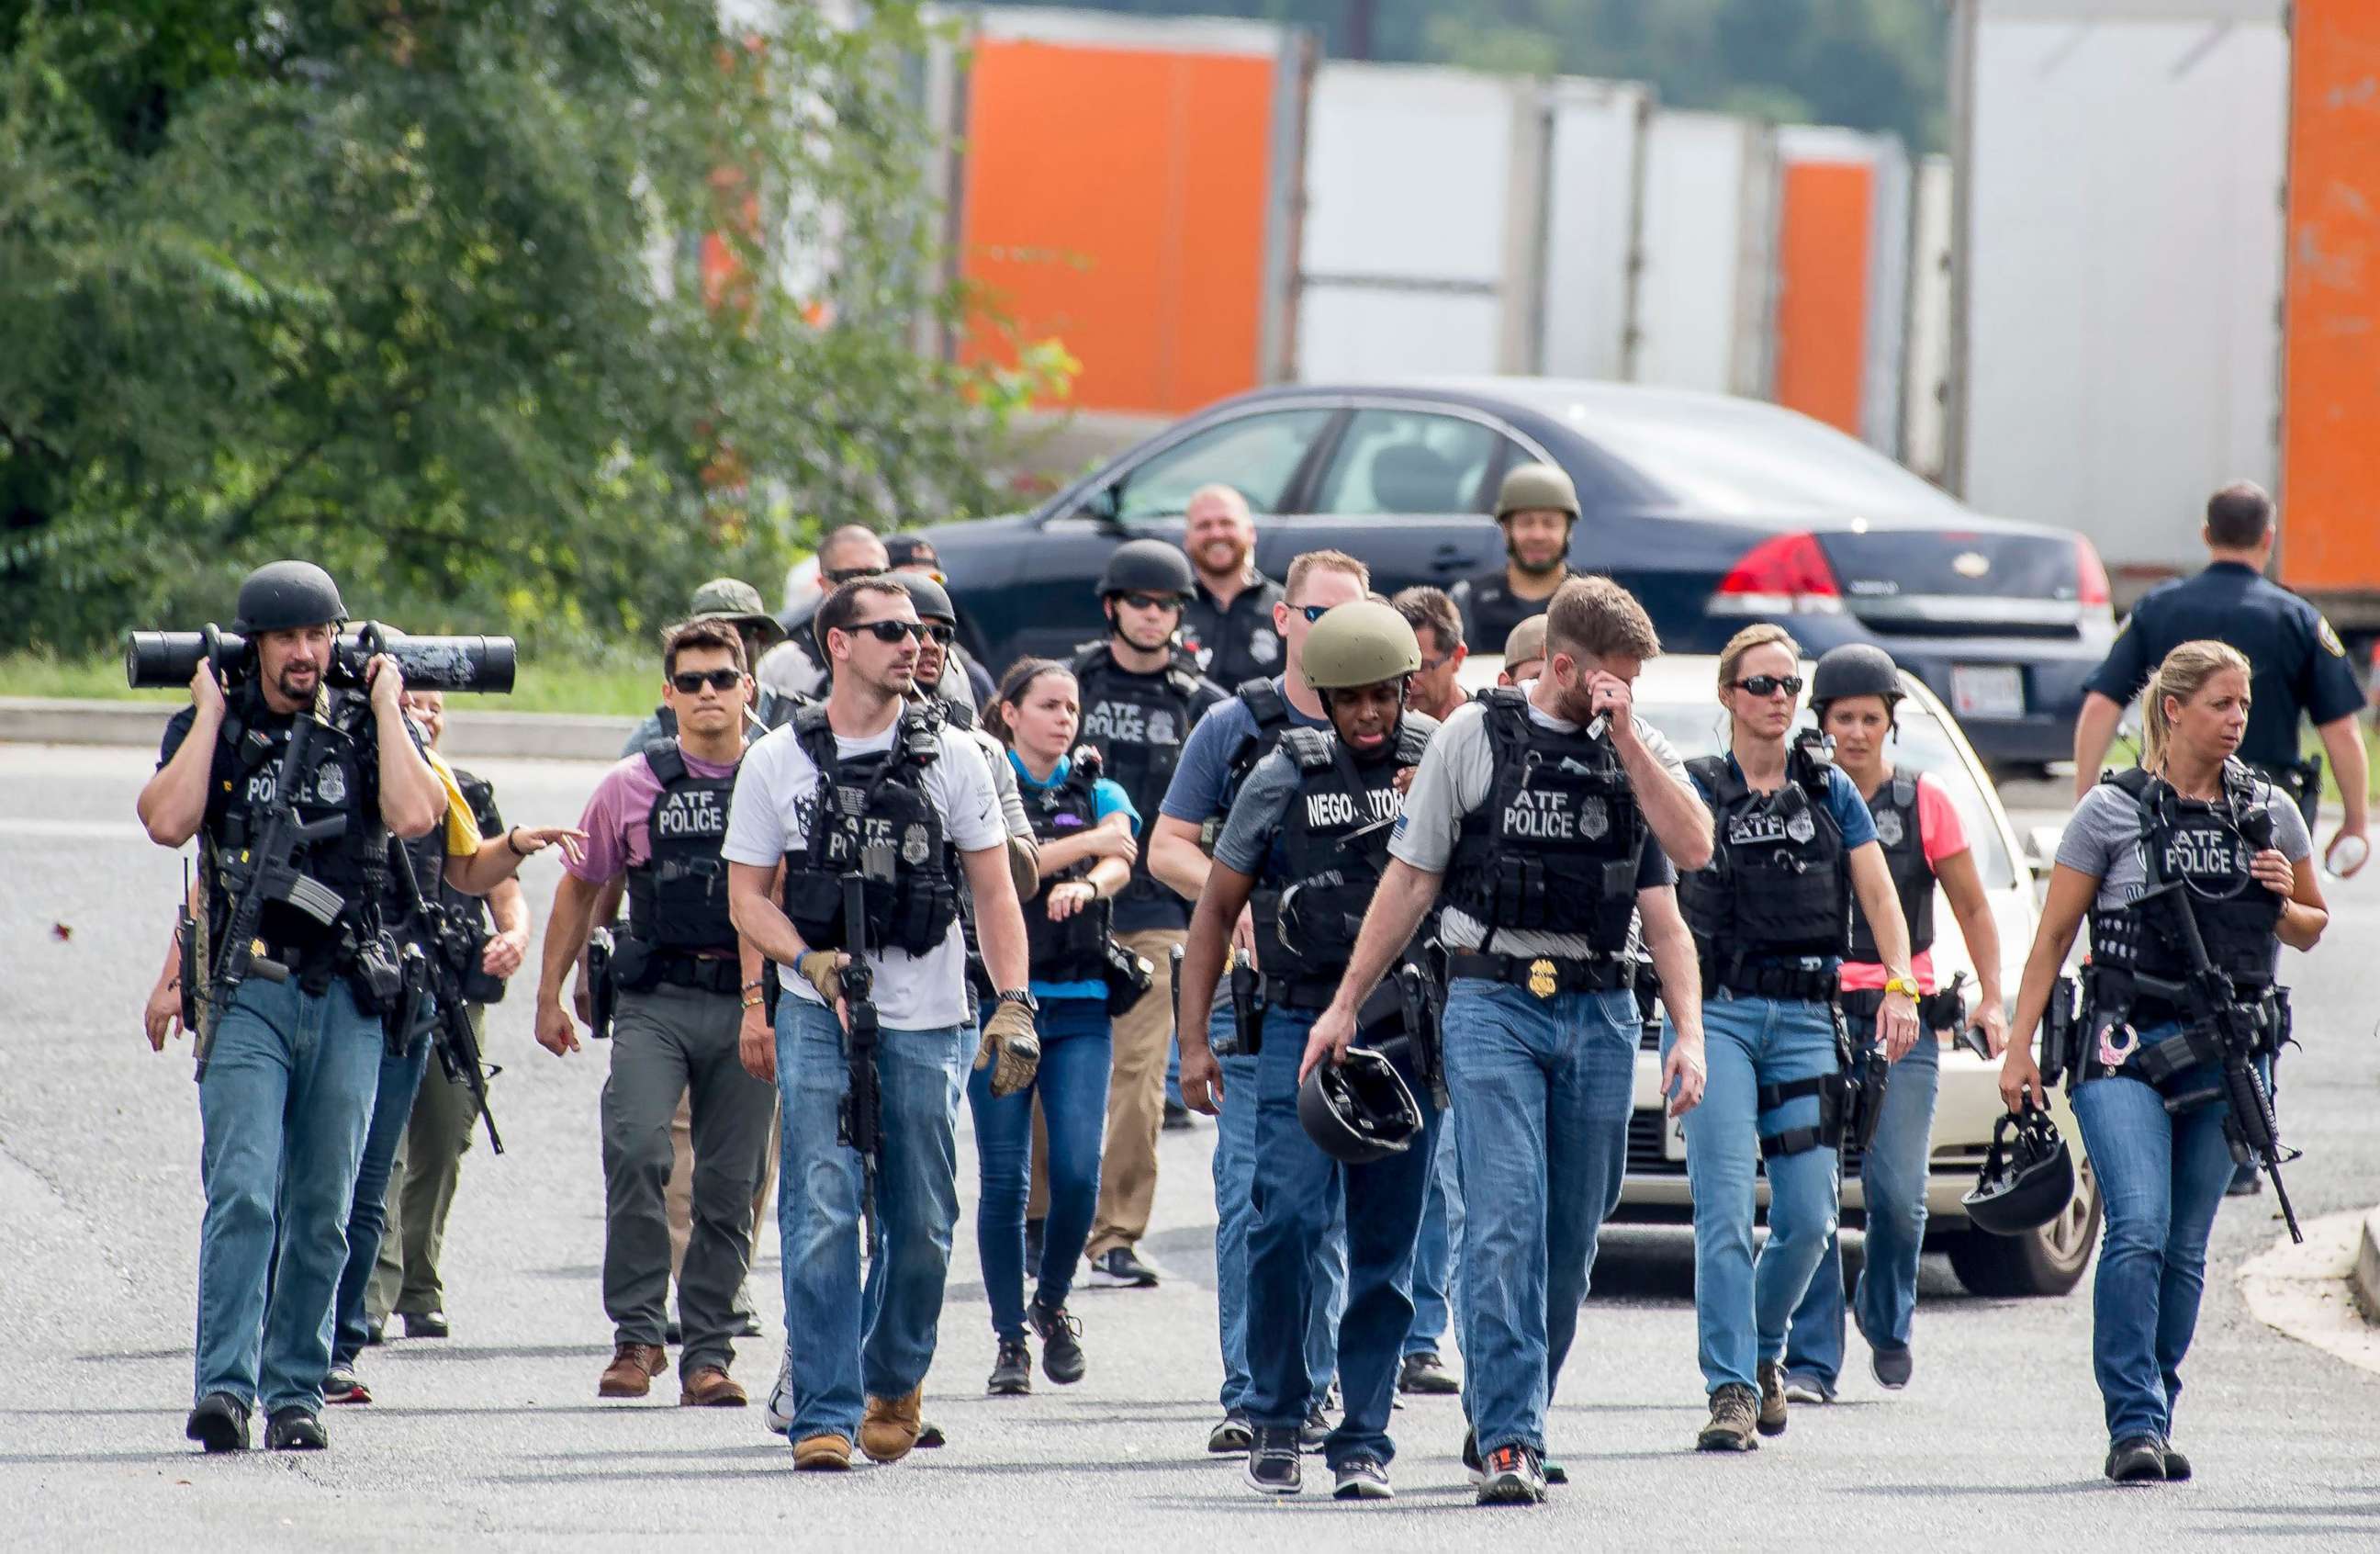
(1431, 666)
(1769, 685)
(1312, 613)
(891, 631)
(944, 635)
(689, 682)
(843, 574)
(1153, 600)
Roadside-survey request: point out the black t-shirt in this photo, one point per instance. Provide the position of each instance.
(1490, 608)
(1237, 642)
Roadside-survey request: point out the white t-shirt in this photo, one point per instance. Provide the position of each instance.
(776, 793)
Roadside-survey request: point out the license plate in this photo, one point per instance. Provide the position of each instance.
(1980, 690)
(1673, 1138)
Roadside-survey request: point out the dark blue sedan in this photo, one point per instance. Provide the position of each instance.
(1714, 511)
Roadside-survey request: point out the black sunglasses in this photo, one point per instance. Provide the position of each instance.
(689, 682)
(1153, 601)
(843, 574)
(1769, 685)
(945, 635)
(889, 631)
(1312, 613)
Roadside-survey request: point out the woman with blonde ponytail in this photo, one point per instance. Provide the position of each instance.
(2146, 1086)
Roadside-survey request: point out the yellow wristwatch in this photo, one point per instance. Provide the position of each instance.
(1902, 985)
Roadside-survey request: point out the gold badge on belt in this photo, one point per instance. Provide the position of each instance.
(1541, 977)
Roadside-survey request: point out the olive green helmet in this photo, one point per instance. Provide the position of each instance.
(1360, 643)
(1532, 487)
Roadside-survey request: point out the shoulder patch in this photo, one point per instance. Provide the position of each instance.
(2329, 637)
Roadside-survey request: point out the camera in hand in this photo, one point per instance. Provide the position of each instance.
(165, 658)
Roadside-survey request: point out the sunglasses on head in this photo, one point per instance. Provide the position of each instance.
(1153, 600)
(843, 574)
(891, 631)
(1769, 685)
(689, 682)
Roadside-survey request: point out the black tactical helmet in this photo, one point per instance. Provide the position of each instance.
(1358, 1112)
(2028, 1179)
(1855, 669)
(1147, 566)
(283, 594)
(932, 600)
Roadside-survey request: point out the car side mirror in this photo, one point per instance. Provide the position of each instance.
(1104, 508)
(2041, 846)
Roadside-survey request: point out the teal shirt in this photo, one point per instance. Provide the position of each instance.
(1111, 798)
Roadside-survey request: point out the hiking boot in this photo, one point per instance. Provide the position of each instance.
(1119, 1268)
(1230, 1437)
(1423, 1373)
(343, 1386)
(1512, 1476)
(1734, 1409)
(1801, 1386)
(1273, 1467)
(1062, 1355)
(1892, 1366)
(1012, 1370)
(1772, 1398)
(779, 1417)
(711, 1387)
(219, 1422)
(889, 1429)
(1362, 1477)
(295, 1429)
(821, 1454)
(2137, 1460)
(2177, 1467)
(631, 1372)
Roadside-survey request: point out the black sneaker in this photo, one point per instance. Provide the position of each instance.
(344, 1386)
(672, 1333)
(219, 1422)
(1471, 1465)
(1273, 1467)
(294, 1430)
(1011, 1371)
(429, 1324)
(1772, 1398)
(1232, 1436)
(1119, 1268)
(1513, 1476)
(1423, 1373)
(1061, 1355)
(1362, 1478)
(2177, 1467)
(1316, 1430)
(1177, 1118)
(2245, 1183)
(2137, 1460)
(376, 1333)
(1892, 1366)
(1033, 1229)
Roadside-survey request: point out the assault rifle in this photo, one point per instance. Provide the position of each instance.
(263, 873)
(862, 1123)
(457, 1043)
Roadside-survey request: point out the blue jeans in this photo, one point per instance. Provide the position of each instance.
(853, 1343)
(400, 1082)
(2162, 1179)
(1892, 1176)
(1072, 1083)
(1299, 1194)
(1540, 1091)
(1437, 1252)
(282, 1111)
(1234, 1166)
(1739, 1312)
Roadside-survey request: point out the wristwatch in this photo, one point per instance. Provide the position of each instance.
(1902, 985)
(1024, 996)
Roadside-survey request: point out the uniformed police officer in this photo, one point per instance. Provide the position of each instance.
(2148, 1085)
(287, 1087)
(2299, 665)
(1550, 819)
(1142, 694)
(1537, 507)
(1304, 844)
(1228, 625)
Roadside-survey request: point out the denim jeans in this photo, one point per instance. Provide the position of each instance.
(1540, 1091)
(283, 1110)
(1300, 1193)
(1437, 1251)
(853, 1343)
(1073, 1085)
(1741, 1310)
(400, 1081)
(1892, 1178)
(1234, 1166)
(2162, 1179)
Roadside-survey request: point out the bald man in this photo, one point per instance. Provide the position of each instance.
(796, 667)
(1228, 627)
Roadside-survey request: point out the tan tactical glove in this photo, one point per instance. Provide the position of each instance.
(1010, 1049)
(824, 970)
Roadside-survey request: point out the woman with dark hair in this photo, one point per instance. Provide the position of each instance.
(1084, 824)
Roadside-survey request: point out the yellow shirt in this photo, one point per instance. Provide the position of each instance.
(462, 826)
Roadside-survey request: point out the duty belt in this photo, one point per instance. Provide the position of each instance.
(708, 974)
(1787, 983)
(1544, 975)
(1280, 992)
(2114, 1002)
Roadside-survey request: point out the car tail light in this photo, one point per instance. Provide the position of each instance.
(1785, 576)
(2090, 589)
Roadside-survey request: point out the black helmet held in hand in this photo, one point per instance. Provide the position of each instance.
(1855, 669)
(2028, 1176)
(1147, 566)
(281, 595)
(1360, 1110)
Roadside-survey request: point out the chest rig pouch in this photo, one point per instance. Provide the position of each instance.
(1270, 709)
(1334, 846)
(1075, 949)
(874, 819)
(1555, 848)
(1898, 833)
(1138, 722)
(1778, 887)
(677, 897)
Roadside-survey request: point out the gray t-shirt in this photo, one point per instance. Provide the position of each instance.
(1452, 781)
(2103, 840)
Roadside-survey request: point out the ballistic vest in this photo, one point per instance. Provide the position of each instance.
(1334, 846)
(677, 897)
(1898, 833)
(1138, 723)
(1778, 882)
(1074, 950)
(873, 820)
(2207, 848)
(354, 863)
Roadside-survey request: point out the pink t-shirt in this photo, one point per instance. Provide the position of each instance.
(1943, 835)
(619, 815)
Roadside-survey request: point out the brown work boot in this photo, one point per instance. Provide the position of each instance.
(631, 1372)
(711, 1387)
(1734, 1409)
(1772, 1398)
(821, 1454)
(890, 1429)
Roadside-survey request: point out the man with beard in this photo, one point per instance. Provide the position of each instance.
(914, 555)
(796, 668)
(1228, 625)
(1536, 507)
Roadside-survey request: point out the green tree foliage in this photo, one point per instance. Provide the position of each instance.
(1868, 64)
(415, 288)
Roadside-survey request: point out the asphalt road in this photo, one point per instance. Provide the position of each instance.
(496, 1437)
